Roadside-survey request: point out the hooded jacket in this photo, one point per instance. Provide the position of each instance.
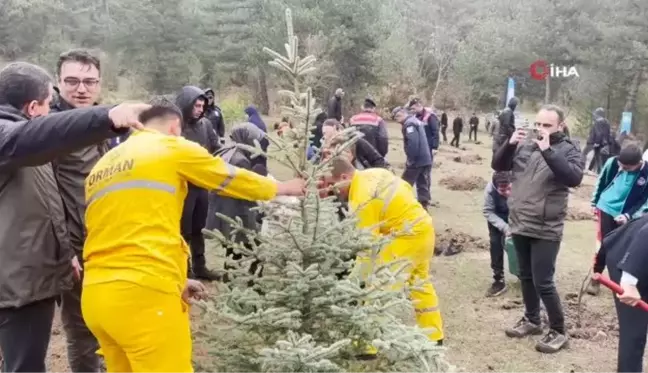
(317, 130)
(506, 124)
(335, 108)
(198, 130)
(35, 247)
(431, 127)
(246, 134)
(541, 182)
(215, 116)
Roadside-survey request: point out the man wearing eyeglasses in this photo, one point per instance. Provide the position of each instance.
(544, 165)
(79, 85)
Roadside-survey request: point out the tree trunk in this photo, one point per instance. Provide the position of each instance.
(547, 98)
(631, 98)
(262, 92)
(436, 85)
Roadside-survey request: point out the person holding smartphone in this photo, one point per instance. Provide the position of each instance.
(544, 166)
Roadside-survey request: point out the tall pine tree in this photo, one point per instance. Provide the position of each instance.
(303, 315)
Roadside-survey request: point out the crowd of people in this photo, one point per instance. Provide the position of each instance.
(103, 210)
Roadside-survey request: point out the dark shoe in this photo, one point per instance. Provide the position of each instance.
(523, 328)
(439, 343)
(205, 274)
(496, 289)
(552, 342)
(593, 288)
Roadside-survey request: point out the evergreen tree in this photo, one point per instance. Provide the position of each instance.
(303, 315)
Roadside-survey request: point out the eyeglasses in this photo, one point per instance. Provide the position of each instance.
(89, 83)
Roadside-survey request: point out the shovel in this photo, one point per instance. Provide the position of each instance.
(617, 289)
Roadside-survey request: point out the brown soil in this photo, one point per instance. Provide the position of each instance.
(450, 242)
(578, 213)
(463, 183)
(592, 324)
(468, 159)
(448, 149)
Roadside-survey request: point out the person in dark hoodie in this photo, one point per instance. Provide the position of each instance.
(214, 114)
(599, 140)
(195, 127)
(457, 128)
(627, 264)
(246, 134)
(419, 159)
(506, 124)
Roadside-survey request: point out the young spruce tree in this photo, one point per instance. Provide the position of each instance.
(303, 314)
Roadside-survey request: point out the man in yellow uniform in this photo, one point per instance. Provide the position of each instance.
(386, 203)
(135, 289)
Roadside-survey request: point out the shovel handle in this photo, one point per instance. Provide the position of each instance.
(617, 289)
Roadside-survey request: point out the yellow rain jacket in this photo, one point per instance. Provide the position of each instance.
(386, 203)
(135, 258)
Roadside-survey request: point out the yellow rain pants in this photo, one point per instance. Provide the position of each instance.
(139, 329)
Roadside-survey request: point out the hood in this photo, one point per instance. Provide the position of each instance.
(186, 99)
(255, 118)
(599, 113)
(513, 103)
(246, 133)
(11, 114)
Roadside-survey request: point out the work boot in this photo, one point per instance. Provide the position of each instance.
(552, 342)
(523, 328)
(202, 273)
(593, 288)
(496, 289)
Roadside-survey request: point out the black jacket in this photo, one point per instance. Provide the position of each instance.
(625, 250)
(35, 247)
(198, 130)
(600, 133)
(367, 156)
(505, 128)
(335, 108)
(457, 125)
(215, 116)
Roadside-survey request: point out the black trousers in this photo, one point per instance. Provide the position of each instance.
(455, 139)
(82, 345)
(496, 252)
(421, 176)
(537, 262)
(25, 335)
(194, 218)
(443, 133)
(633, 327)
(607, 224)
(473, 131)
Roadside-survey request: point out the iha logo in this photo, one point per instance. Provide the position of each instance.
(541, 69)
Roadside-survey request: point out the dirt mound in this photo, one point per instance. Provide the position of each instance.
(583, 191)
(463, 183)
(579, 213)
(468, 159)
(437, 164)
(450, 242)
(592, 325)
(447, 149)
